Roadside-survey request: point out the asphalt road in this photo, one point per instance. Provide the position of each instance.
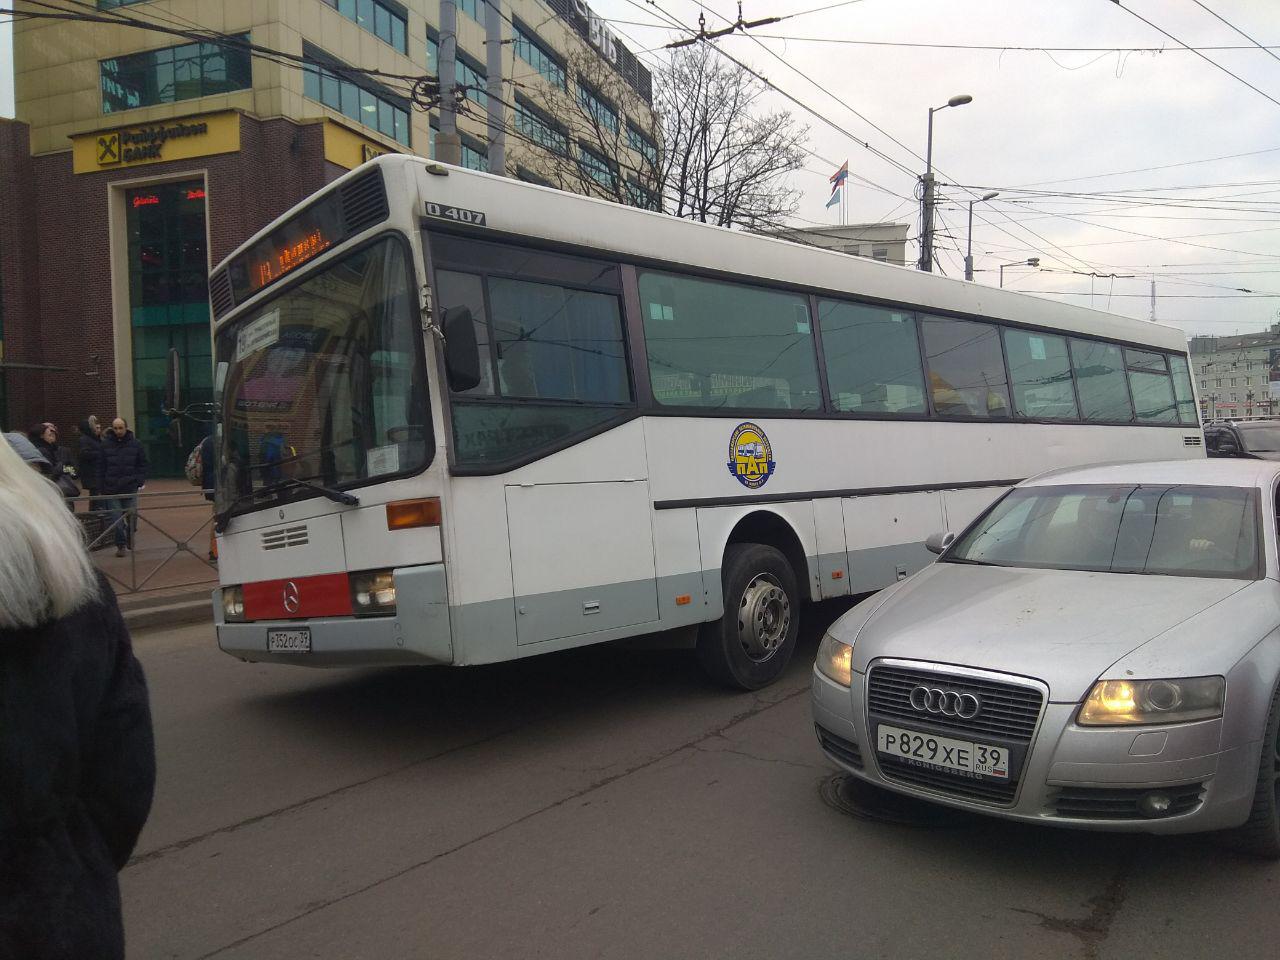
(602, 803)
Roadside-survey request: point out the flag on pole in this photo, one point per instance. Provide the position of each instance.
(835, 197)
(838, 178)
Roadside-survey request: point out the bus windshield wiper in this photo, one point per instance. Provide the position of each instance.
(221, 520)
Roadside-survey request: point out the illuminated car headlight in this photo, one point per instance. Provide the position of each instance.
(835, 660)
(1127, 702)
(233, 604)
(373, 593)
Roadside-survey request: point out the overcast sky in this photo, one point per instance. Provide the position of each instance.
(1066, 121)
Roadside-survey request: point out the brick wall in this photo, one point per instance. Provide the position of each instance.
(55, 266)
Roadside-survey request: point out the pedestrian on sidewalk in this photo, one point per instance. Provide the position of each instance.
(89, 462)
(77, 758)
(124, 473)
(45, 438)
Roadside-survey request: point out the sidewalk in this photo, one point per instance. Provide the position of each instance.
(166, 578)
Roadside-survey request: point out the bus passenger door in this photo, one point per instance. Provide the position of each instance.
(886, 534)
(581, 558)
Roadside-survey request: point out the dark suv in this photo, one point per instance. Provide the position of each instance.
(1258, 439)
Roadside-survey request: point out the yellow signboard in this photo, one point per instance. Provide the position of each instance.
(347, 148)
(158, 142)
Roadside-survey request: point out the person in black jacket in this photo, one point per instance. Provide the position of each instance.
(123, 473)
(77, 757)
(45, 438)
(89, 462)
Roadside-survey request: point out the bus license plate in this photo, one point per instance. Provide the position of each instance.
(289, 641)
(928, 750)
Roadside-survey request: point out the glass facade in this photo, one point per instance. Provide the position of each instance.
(173, 74)
(388, 117)
(531, 51)
(168, 307)
(642, 145)
(472, 78)
(595, 166)
(597, 108)
(379, 19)
(540, 128)
(475, 157)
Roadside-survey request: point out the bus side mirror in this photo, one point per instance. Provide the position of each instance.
(172, 383)
(937, 542)
(461, 352)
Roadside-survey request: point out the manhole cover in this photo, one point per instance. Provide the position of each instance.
(866, 802)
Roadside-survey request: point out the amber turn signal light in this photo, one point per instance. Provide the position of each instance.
(405, 514)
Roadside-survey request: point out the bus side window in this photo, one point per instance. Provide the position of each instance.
(873, 358)
(966, 368)
(466, 290)
(1041, 372)
(1100, 378)
(1151, 386)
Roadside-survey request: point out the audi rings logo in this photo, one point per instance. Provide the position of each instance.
(947, 703)
(292, 598)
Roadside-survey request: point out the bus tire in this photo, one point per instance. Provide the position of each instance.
(750, 646)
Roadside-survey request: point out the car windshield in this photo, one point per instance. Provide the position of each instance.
(323, 383)
(1261, 439)
(1185, 531)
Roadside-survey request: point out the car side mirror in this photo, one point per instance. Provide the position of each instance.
(938, 542)
(461, 352)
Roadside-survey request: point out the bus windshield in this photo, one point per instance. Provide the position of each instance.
(324, 383)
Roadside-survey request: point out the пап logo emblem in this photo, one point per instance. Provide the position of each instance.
(750, 456)
(292, 597)
(946, 703)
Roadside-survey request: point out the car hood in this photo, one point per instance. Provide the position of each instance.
(1063, 627)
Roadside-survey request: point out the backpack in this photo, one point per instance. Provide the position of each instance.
(195, 467)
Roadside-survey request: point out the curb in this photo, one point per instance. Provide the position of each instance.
(169, 614)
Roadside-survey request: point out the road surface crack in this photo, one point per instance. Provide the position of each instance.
(757, 707)
(1094, 928)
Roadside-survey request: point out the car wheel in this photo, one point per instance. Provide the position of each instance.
(1260, 835)
(749, 647)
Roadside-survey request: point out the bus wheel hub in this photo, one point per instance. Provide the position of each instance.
(764, 617)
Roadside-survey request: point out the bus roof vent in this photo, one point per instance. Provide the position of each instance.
(220, 293)
(364, 201)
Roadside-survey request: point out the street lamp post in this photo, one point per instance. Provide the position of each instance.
(1029, 262)
(968, 254)
(926, 196)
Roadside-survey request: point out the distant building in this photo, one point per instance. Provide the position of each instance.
(876, 241)
(1238, 376)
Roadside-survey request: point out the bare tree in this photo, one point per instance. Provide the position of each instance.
(722, 159)
(725, 160)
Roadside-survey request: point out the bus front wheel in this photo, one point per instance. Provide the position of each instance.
(749, 647)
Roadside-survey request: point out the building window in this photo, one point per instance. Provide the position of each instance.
(642, 145)
(528, 176)
(595, 166)
(471, 77)
(880, 253)
(433, 53)
(540, 128)
(388, 116)
(472, 8)
(379, 19)
(531, 51)
(641, 196)
(475, 156)
(597, 108)
(173, 74)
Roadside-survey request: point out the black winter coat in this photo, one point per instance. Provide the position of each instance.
(124, 464)
(77, 770)
(89, 462)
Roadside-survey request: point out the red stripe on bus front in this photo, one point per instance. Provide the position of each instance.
(327, 595)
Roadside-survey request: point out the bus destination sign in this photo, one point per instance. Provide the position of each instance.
(286, 248)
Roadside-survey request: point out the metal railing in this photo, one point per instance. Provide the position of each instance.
(156, 529)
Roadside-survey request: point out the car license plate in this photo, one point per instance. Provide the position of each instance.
(957, 756)
(289, 641)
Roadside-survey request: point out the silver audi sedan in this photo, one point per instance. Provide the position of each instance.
(1099, 649)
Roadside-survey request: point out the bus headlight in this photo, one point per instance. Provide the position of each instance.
(233, 604)
(373, 593)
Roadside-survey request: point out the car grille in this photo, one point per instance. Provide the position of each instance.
(1009, 714)
(1009, 710)
(840, 748)
(1121, 803)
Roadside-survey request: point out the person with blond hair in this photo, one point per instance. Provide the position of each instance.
(77, 757)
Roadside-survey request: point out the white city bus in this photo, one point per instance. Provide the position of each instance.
(463, 419)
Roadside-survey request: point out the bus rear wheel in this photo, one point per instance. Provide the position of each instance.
(750, 646)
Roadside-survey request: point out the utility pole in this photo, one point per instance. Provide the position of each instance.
(1153, 299)
(448, 143)
(926, 183)
(496, 109)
